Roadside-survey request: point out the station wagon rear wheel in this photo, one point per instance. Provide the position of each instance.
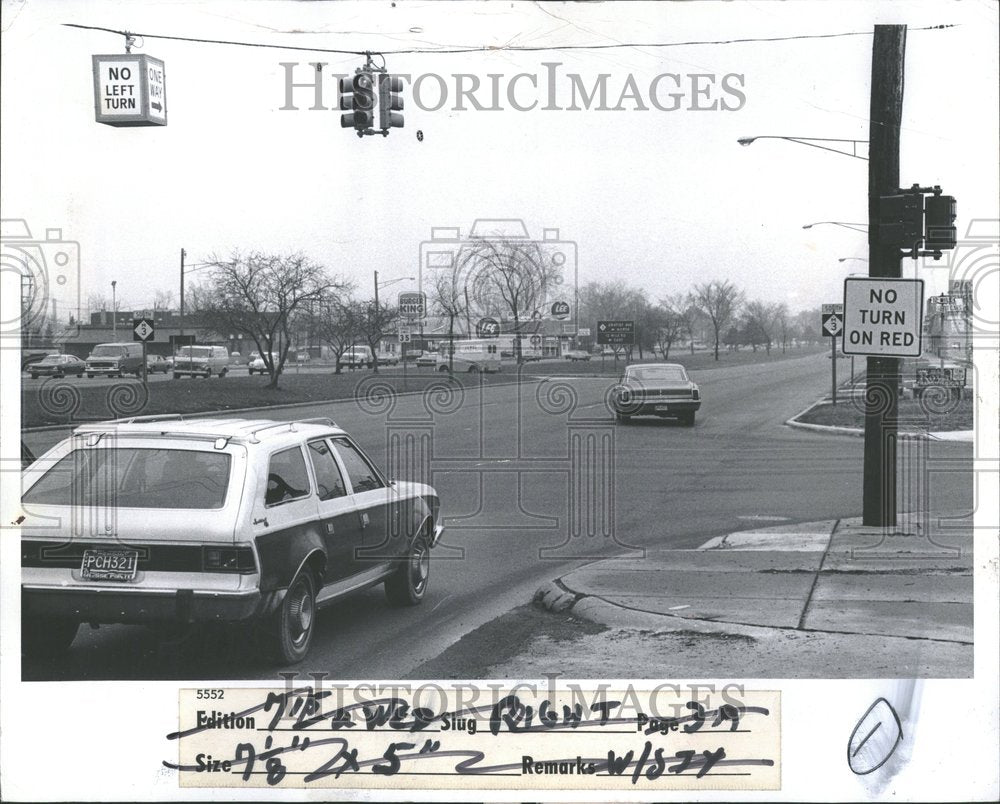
(295, 618)
(407, 585)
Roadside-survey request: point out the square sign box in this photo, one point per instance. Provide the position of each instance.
(883, 317)
(129, 90)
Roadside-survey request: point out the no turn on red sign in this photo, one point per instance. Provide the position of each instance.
(883, 317)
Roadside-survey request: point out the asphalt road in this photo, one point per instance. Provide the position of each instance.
(519, 507)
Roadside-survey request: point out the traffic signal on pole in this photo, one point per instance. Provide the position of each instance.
(358, 95)
(389, 101)
(939, 223)
(901, 220)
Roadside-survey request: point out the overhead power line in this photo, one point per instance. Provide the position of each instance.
(488, 48)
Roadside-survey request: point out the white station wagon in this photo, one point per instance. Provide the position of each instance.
(172, 520)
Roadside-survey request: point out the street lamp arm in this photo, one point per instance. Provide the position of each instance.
(857, 227)
(812, 142)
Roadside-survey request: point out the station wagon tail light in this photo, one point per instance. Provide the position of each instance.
(228, 559)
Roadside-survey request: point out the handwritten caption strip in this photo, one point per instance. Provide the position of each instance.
(306, 737)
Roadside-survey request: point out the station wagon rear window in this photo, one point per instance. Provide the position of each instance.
(133, 477)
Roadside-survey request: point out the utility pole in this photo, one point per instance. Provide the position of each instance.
(183, 254)
(114, 310)
(882, 381)
(375, 323)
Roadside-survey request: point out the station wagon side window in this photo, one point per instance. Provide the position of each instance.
(329, 481)
(363, 476)
(287, 478)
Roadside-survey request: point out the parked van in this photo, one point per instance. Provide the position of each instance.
(115, 359)
(201, 361)
(470, 356)
(357, 356)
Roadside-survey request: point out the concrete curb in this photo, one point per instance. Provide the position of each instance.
(554, 596)
(857, 432)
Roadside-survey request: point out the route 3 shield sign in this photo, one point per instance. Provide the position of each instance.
(143, 329)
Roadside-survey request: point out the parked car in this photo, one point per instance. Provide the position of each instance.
(387, 359)
(427, 359)
(576, 354)
(115, 359)
(290, 516)
(201, 361)
(155, 363)
(357, 356)
(57, 366)
(656, 389)
(257, 364)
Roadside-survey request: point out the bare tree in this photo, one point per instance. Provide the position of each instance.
(261, 296)
(449, 298)
(97, 302)
(681, 307)
(163, 299)
(784, 325)
(612, 300)
(335, 323)
(719, 301)
(762, 318)
(669, 327)
(511, 275)
(374, 321)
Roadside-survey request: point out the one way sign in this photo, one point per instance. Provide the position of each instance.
(833, 319)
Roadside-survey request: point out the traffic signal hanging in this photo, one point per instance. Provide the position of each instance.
(389, 101)
(357, 94)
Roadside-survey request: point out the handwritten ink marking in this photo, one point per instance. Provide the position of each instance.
(873, 750)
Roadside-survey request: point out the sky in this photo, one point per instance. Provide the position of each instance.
(659, 199)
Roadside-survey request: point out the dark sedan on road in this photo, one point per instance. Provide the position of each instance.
(656, 389)
(57, 366)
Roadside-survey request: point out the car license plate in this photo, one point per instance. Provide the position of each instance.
(109, 565)
(662, 408)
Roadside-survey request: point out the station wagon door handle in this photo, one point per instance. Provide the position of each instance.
(364, 520)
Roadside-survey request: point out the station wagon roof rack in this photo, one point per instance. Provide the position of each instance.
(151, 417)
(244, 433)
(290, 425)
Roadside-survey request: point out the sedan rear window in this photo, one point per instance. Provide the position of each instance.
(127, 477)
(657, 374)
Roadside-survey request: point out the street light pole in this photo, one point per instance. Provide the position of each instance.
(183, 254)
(882, 381)
(114, 309)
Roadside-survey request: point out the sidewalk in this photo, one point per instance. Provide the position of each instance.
(818, 599)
